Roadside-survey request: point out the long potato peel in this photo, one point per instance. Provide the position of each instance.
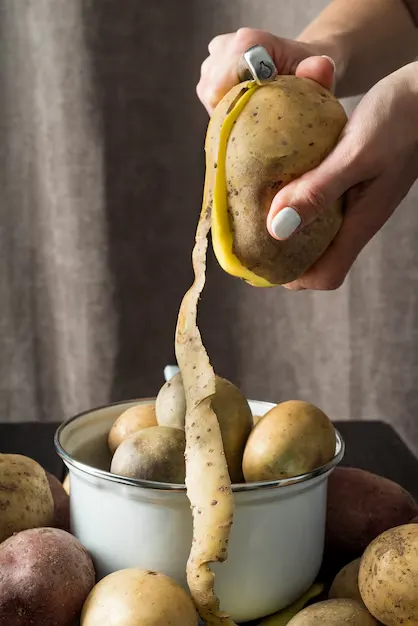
(207, 478)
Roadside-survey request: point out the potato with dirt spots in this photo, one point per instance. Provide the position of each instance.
(342, 612)
(25, 496)
(130, 421)
(61, 503)
(45, 577)
(155, 453)
(361, 506)
(259, 139)
(388, 576)
(135, 597)
(293, 438)
(231, 408)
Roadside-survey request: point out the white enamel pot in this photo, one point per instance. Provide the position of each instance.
(277, 538)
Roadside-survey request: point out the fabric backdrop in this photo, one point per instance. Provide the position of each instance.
(101, 174)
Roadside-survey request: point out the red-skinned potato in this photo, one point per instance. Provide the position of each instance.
(361, 506)
(61, 503)
(45, 577)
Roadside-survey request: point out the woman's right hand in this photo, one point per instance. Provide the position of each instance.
(219, 71)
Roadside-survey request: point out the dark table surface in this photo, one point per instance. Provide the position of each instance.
(373, 446)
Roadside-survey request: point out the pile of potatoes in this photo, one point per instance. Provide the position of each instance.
(372, 527)
(147, 441)
(47, 578)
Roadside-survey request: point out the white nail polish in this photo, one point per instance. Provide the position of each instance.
(285, 222)
(325, 56)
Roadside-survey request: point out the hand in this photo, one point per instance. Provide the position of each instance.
(220, 70)
(375, 162)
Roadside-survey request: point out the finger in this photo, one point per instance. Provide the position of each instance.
(218, 42)
(319, 68)
(369, 206)
(304, 199)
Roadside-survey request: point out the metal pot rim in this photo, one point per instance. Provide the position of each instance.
(148, 484)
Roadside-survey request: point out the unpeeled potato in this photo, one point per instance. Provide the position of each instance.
(155, 453)
(170, 404)
(61, 503)
(286, 128)
(134, 597)
(25, 496)
(388, 576)
(231, 408)
(293, 438)
(130, 421)
(345, 584)
(334, 613)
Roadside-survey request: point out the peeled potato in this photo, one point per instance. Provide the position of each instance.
(130, 421)
(134, 597)
(155, 453)
(25, 496)
(388, 576)
(293, 438)
(334, 613)
(231, 409)
(272, 135)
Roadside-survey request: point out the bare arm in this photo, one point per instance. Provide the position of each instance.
(367, 39)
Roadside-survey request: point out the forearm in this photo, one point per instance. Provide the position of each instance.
(367, 39)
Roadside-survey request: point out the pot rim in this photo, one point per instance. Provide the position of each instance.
(173, 488)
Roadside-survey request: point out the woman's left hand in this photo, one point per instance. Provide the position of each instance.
(375, 162)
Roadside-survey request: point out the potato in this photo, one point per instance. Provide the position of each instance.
(293, 438)
(130, 421)
(388, 576)
(273, 135)
(25, 496)
(155, 453)
(134, 597)
(345, 584)
(61, 503)
(339, 612)
(232, 411)
(170, 404)
(45, 576)
(360, 507)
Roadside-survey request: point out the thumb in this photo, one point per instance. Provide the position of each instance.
(300, 202)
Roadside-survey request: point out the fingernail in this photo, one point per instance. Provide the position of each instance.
(325, 56)
(285, 222)
(334, 79)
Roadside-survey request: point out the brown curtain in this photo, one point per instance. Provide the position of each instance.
(101, 173)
